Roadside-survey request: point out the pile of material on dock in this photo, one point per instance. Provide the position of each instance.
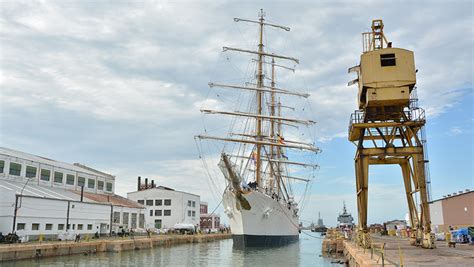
(333, 243)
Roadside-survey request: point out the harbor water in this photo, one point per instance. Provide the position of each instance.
(306, 252)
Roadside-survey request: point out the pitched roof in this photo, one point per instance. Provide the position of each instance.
(115, 200)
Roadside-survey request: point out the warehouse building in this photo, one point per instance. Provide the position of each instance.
(166, 207)
(44, 197)
(454, 210)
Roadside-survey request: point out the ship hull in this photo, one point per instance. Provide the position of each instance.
(267, 223)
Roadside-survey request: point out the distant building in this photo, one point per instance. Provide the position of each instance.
(209, 221)
(395, 225)
(40, 196)
(455, 210)
(165, 206)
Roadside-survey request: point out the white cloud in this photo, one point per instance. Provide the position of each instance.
(120, 85)
(455, 130)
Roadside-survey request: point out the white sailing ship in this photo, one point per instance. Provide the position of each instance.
(258, 198)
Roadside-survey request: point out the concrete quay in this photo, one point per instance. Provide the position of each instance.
(61, 248)
(398, 252)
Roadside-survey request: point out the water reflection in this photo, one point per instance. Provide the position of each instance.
(276, 256)
(219, 253)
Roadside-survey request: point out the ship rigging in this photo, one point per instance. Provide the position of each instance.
(258, 198)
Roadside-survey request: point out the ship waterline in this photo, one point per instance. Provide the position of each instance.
(268, 222)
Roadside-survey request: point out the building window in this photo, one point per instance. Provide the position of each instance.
(141, 201)
(157, 212)
(70, 179)
(158, 202)
(189, 203)
(125, 218)
(81, 181)
(149, 202)
(194, 213)
(35, 226)
(167, 212)
(89, 227)
(91, 183)
(30, 171)
(116, 217)
(45, 175)
(109, 187)
(134, 221)
(79, 227)
(141, 220)
(73, 226)
(49, 227)
(2, 165)
(20, 226)
(151, 212)
(69, 226)
(15, 169)
(387, 60)
(100, 185)
(58, 177)
(167, 202)
(189, 213)
(194, 204)
(61, 226)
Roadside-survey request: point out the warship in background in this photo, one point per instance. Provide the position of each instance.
(345, 219)
(320, 227)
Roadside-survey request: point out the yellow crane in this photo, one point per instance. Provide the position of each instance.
(387, 129)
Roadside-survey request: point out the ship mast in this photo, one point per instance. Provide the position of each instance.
(272, 128)
(259, 102)
(261, 141)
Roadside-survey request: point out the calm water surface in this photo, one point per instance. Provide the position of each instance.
(219, 253)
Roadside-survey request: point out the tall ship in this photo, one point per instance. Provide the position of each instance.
(259, 164)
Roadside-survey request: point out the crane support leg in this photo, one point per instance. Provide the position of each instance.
(412, 212)
(362, 183)
(428, 237)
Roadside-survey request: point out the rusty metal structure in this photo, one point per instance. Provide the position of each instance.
(388, 129)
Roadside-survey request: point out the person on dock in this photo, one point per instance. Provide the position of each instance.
(78, 238)
(148, 232)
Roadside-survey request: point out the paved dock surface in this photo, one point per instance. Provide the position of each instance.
(462, 255)
(442, 255)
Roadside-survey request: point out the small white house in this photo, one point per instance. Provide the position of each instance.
(166, 207)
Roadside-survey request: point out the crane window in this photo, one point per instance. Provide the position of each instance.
(387, 60)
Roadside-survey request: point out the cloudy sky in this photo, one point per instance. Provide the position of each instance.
(118, 85)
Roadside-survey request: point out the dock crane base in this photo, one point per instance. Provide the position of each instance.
(410, 157)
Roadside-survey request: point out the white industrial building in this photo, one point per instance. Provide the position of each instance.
(44, 197)
(166, 207)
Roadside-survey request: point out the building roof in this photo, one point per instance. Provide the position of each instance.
(49, 192)
(455, 194)
(115, 200)
(164, 188)
(74, 167)
(35, 190)
(395, 221)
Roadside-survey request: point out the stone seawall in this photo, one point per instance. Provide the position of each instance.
(51, 249)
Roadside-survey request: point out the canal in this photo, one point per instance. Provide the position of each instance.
(306, 252)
